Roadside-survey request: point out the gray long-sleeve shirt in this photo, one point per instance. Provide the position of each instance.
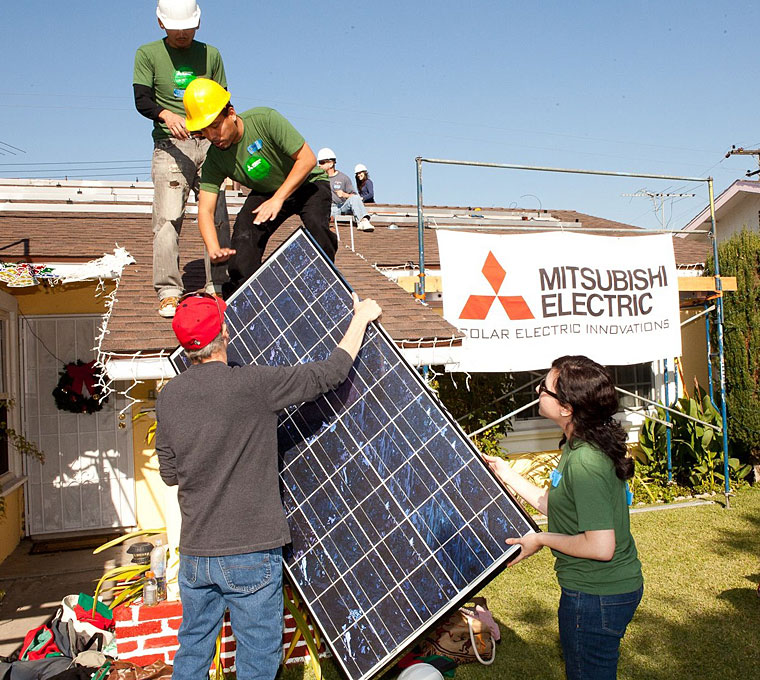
(217, 439)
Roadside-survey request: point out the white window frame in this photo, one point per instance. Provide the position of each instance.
(14, 478)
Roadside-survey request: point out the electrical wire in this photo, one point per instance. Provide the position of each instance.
(141, 160)
(40, 340)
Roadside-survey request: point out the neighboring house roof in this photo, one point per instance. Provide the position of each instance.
(741, 187)
(389, 248)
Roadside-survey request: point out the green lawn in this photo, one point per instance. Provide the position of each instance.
(700, 617)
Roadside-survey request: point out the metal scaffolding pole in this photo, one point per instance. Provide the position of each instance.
(420, 286)
(721, 353)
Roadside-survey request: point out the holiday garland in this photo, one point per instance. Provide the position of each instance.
(69, 393)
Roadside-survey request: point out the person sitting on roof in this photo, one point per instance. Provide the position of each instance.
(364, 183)
(345, 200)
(260, 149)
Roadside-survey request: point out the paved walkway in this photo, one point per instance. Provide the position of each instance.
(34, 586)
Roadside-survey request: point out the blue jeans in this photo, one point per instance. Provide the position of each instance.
(590, 630)
(250, 585)
(353, 204)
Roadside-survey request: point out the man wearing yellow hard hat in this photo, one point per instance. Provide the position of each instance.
(260, 149)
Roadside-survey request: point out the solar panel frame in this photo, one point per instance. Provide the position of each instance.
(378, 600)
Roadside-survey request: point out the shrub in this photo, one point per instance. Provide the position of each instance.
(740, 257)
(470, 400)
(696, 449)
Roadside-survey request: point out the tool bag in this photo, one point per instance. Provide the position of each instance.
(469, 634)
(39, 643)
(82, 634)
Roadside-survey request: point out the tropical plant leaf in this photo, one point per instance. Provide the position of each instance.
(128, 594)
(130, 571)
(126, 537)
(303, 626)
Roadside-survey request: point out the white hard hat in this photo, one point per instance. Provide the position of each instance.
(360, 167)
(325, 154)
(178, 15)
(420, 671)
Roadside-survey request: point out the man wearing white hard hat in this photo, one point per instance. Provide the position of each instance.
(345, 200)
(163, 69)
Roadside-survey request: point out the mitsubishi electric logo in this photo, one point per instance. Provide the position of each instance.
(477, 307)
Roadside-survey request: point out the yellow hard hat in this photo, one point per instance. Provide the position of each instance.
(204, 100)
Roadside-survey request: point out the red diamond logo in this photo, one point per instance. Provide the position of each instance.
(477, 307)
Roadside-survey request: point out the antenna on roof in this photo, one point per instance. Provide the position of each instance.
(658, 201)
(739, 151)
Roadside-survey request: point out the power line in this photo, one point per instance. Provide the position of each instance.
(85, 169)
(126, 175)
(10, 146)
(142, 160)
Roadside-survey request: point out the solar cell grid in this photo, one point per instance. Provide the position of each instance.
(393, 517)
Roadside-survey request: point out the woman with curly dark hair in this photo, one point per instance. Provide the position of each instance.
(586, 504)
(364, 183)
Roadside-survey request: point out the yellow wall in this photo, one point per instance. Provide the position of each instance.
(10, 525)
(73, 298)
(149, 487)
(694, 352)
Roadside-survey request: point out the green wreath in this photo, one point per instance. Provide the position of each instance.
(69, 394)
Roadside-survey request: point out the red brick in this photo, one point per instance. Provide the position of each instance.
(146, 659)
(145, 628)
(174, 624)
(163, 610)
(122, 613)
(126, 647)
(156, 642)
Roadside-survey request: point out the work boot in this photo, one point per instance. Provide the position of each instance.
(168, 306)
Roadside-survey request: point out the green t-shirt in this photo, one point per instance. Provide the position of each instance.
(588, 497)
(168, 71)
(267, 135)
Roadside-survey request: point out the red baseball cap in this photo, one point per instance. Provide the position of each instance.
(198, 320)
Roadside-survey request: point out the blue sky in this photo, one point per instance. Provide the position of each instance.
(660, 87)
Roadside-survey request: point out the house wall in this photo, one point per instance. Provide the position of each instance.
(75, 298)
(737, 215)
(151, 493)
(694, 353)
(11, 526)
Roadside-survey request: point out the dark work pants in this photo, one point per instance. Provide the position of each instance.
(311, 202)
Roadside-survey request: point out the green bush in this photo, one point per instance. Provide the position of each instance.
(470, 399)
(740, 257)
(696, 450)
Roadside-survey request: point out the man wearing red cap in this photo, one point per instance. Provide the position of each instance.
(217, 440)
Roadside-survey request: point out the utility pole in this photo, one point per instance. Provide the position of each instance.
(739, 151)
(658, 201)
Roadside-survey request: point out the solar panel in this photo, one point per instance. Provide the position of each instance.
(394, 518)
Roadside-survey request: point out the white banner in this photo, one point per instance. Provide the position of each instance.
(524, 300)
